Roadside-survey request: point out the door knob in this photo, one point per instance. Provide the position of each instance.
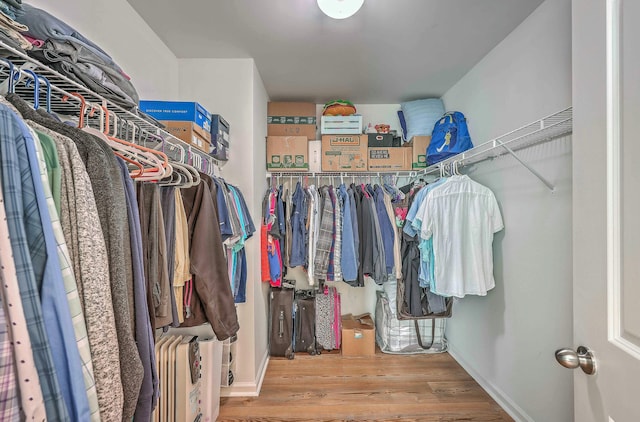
(583, 358)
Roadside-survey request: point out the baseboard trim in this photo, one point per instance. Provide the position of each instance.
(248, 388)
(509, 406)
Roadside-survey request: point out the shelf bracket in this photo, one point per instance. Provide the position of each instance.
(528, 167)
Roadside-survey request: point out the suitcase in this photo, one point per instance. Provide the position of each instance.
(304, 319)
(281, 322)
(328, 321)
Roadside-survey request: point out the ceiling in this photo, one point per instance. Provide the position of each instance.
(389, 52)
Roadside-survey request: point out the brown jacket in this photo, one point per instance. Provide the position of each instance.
(212, 298)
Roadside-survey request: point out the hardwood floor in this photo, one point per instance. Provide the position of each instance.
(385, 387)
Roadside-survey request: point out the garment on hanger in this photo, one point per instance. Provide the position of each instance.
(212, 298)
(464, 258)
(28, 245)
(27, 379)
(144, 337)
(69, 281)
(88, 254)
(102, 168)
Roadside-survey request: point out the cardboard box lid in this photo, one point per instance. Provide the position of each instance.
(291, 109)
(357, 322)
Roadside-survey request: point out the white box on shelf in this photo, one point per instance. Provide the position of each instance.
(315, 156)
(341, 125)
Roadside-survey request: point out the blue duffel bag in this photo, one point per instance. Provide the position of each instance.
(450, 137)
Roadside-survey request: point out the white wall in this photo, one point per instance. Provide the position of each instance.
(507, 339)
(234, 89)
(260, 306)
(118, 29)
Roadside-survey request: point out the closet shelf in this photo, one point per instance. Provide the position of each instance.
(62, 86)
(543, 130)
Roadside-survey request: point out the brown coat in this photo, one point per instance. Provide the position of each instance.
(212, 299)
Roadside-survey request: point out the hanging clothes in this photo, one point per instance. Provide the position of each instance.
(182, 261)
(154, 252)
(212, 299)
(168, 205)
(88, 253)
(463, 258)
(69, 280)
(28, 381)
(102, 169)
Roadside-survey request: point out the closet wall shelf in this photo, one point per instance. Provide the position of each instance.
(543, 130)
(62, 86)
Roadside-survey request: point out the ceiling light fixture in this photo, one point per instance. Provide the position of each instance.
(340, 9)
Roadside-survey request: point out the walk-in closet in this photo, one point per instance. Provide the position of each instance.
(319, 210)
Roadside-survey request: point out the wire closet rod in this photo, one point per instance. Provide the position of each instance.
(542, 130)
(63, 86)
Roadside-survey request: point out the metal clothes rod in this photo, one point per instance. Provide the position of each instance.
(543, 130)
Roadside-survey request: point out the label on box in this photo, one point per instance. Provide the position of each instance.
(390, 159)
(379, 154)
(344, 153)
(291, 120)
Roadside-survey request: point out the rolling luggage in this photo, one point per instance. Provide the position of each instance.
(305, 322)
(328, 321)
(281, 322)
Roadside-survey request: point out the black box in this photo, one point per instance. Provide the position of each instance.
(380, 140)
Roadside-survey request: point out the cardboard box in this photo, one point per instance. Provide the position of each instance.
(189, 132)
(291, 119)
(380, 140)
(344, 153)
(315, 156)
(419, 145)
(358, 335)
(287, 153)
(389, 159)
(341, 125)
(178, 110)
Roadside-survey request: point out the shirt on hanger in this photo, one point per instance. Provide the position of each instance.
(462, 216)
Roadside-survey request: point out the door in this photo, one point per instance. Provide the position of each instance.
(606, 239)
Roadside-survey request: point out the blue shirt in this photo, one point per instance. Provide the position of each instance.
(223, 213)
(145, 342)
(348, 260)
(29, 246)
(386, 229)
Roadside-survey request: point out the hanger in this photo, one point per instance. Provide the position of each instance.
(10, 81)
(136, 164)
(158, 161)
(36, 86)
(131, 153)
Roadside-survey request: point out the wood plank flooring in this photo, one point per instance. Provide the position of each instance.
(385, 387)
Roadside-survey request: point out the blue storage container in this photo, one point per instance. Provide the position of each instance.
(220, 141)
(178, 110)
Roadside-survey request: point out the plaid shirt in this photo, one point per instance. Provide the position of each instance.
(29, 249)
(9, 403)
(325, 236)
(70, 286)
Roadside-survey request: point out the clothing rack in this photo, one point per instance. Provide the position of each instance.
(543, 130)
(56, 93)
